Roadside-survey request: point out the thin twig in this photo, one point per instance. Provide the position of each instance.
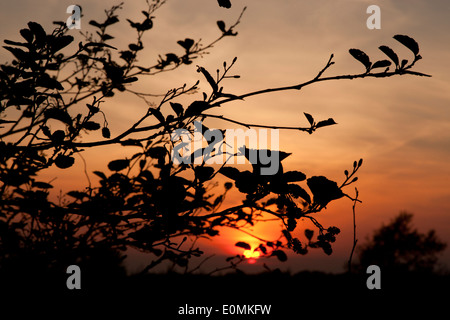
(85, 170)
(249, 125)
(349, 266)
(200, 264)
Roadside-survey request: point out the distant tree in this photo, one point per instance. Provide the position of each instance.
(398, 247)
(52, 98)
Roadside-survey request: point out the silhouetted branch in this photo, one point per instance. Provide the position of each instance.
(318, 79)
(349, 263)
(250, 125)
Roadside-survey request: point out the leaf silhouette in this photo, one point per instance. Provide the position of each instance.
(224, 3)
(42, 185)
(186, 43)
(92, 108)
(146, 25)
(177, 108)
(64, 162)
(60, 42)
(196, 108)
(390, 53)
(403, 64)
(106, 133)
(117, 165)
(361, 57)
(281, 255)
(18, 53)
(58, 136)
(292, 176)
(39, 33)
(381, 64)
(46, 81)
(408, 42)
(209, 78)
(130, 79)
(91, 125)
(262, 248)
(326, 247)
(309, 117)
(203, 173)
(309, 234)
(256, 158)
(77, 194)
(172, 57)
(27, 35)
(324, 190)
(157, 152)
(158, 115)
(247, 182)
(230, 172)
(243, 245)
(58, 114)
(100, 174)
(221, 25)
(135, 47)
(15, 43)
(296, 191)
(95, 24)
(99, 44)
(111, 20)
(325, 123)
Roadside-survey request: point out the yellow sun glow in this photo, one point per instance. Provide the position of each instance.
(251, 254)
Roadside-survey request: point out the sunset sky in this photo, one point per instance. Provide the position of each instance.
(400, 126)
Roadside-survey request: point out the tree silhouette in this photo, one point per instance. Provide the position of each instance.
(398, 247)
(52, 96)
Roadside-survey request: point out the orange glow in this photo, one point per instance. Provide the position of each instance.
(251, 254)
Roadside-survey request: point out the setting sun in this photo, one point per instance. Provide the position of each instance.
(251, 254)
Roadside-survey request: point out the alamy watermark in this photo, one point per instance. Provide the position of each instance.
(74, 21)
(374, 20)
(374, 280)
(214, 146)
(74, 280)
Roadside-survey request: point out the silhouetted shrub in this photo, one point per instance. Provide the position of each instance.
(52, 98)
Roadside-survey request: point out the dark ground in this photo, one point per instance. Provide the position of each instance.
(298, 296)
